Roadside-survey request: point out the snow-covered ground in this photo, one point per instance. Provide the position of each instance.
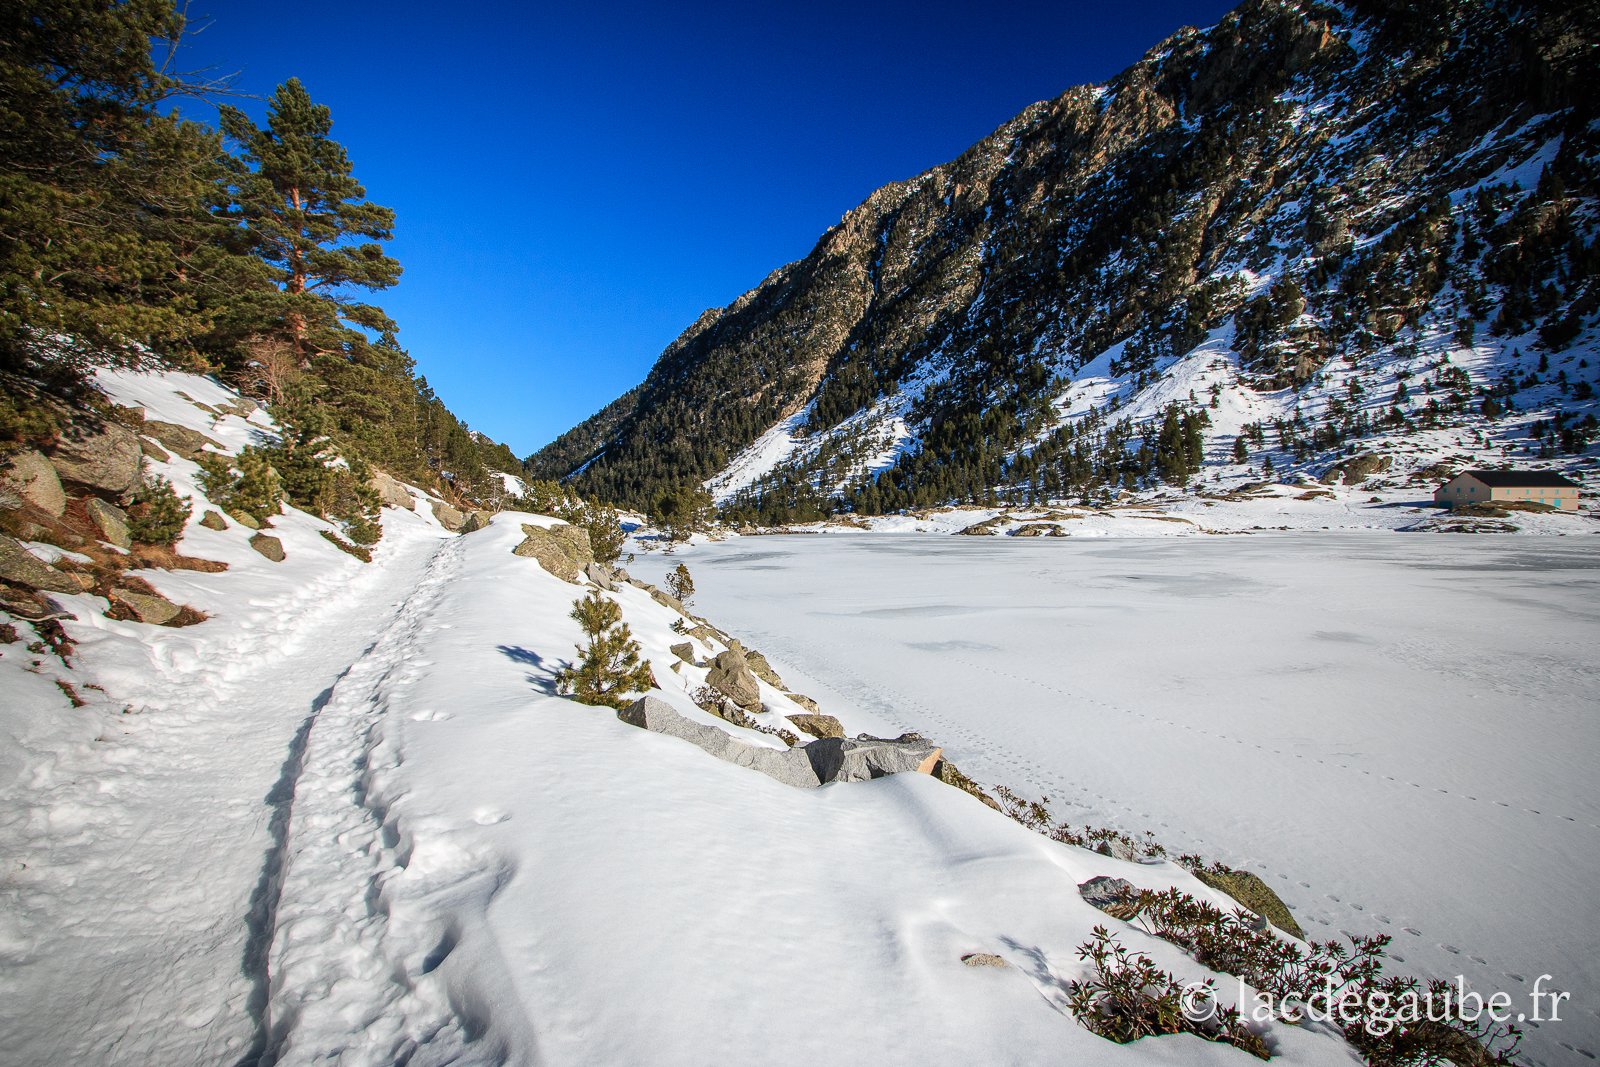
(346, 818)
(1397, 732)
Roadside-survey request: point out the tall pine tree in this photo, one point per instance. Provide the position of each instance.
(309, 219)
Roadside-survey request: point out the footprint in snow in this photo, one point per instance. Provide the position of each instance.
(1413, 933)
(489, 817)
(430, 716)
(1451, 949)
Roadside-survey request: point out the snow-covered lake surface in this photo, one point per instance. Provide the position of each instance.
(1398, 732)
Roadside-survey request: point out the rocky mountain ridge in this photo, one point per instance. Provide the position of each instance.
(1311, 230)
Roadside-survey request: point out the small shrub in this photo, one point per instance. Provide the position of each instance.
(249, 485)
(158, 514)
(610, 665)
(1128, 997)
(680, 584)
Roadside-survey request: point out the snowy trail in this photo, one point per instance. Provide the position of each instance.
(1393, 731)
(364, 919)
(137, 889)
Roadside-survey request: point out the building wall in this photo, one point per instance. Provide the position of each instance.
(1468, 490)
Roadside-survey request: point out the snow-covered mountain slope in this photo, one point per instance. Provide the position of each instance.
(1316, 229)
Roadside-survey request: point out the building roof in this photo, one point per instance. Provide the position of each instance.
(1521, 479)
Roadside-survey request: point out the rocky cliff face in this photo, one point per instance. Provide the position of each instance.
(1272, 223)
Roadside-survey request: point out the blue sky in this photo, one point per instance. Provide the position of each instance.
(575, 185)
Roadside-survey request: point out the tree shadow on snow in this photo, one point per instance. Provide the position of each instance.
(545, 680)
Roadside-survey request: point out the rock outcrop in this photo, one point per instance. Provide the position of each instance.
(787, 765)
(859, 759)
(563, 550)
(730, 675)
(601, 575)
(34, 479)
(104, 457)
(22, 567)
(268, 546)
(145, 607)
(1357, 469)
(762, 669)
(1114, 896)
(818, 725)
(390, 492)
(806, 766)
(451, 518)
(110, 520)
(1250, 891)
(180, 439)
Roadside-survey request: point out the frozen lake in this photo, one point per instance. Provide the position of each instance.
(1400, 733)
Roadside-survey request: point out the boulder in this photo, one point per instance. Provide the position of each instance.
(104, 457)
(180, 439)
(477, 520)
(600, 575)
(762, 669)
(730, 675)
(450, 518)
(684, 651)
(19, 565)
(155, 610)
(787, 765)
(245, 519)
(110, 520)
(268, 546)
(391, 492)
(563, 550)
(153, 450)
(705, 632)
(842, 759)
(983, 959)
(1357, 468)
(667, 600)
(1038, 529)
(213, 520)
(1114, 896)
(33, 478)
(818, 725)
(1249, 890)
(805, 702)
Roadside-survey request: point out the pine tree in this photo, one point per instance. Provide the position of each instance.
(680, 584)
(610, 665)
(306, 214)
(107, 240)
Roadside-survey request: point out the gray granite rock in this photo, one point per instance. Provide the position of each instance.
(268, 546)
(104, 457)
(859, 759)
(19, 565)
(730, 675)
(110, 520)
(563, 550)
(34, 479)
